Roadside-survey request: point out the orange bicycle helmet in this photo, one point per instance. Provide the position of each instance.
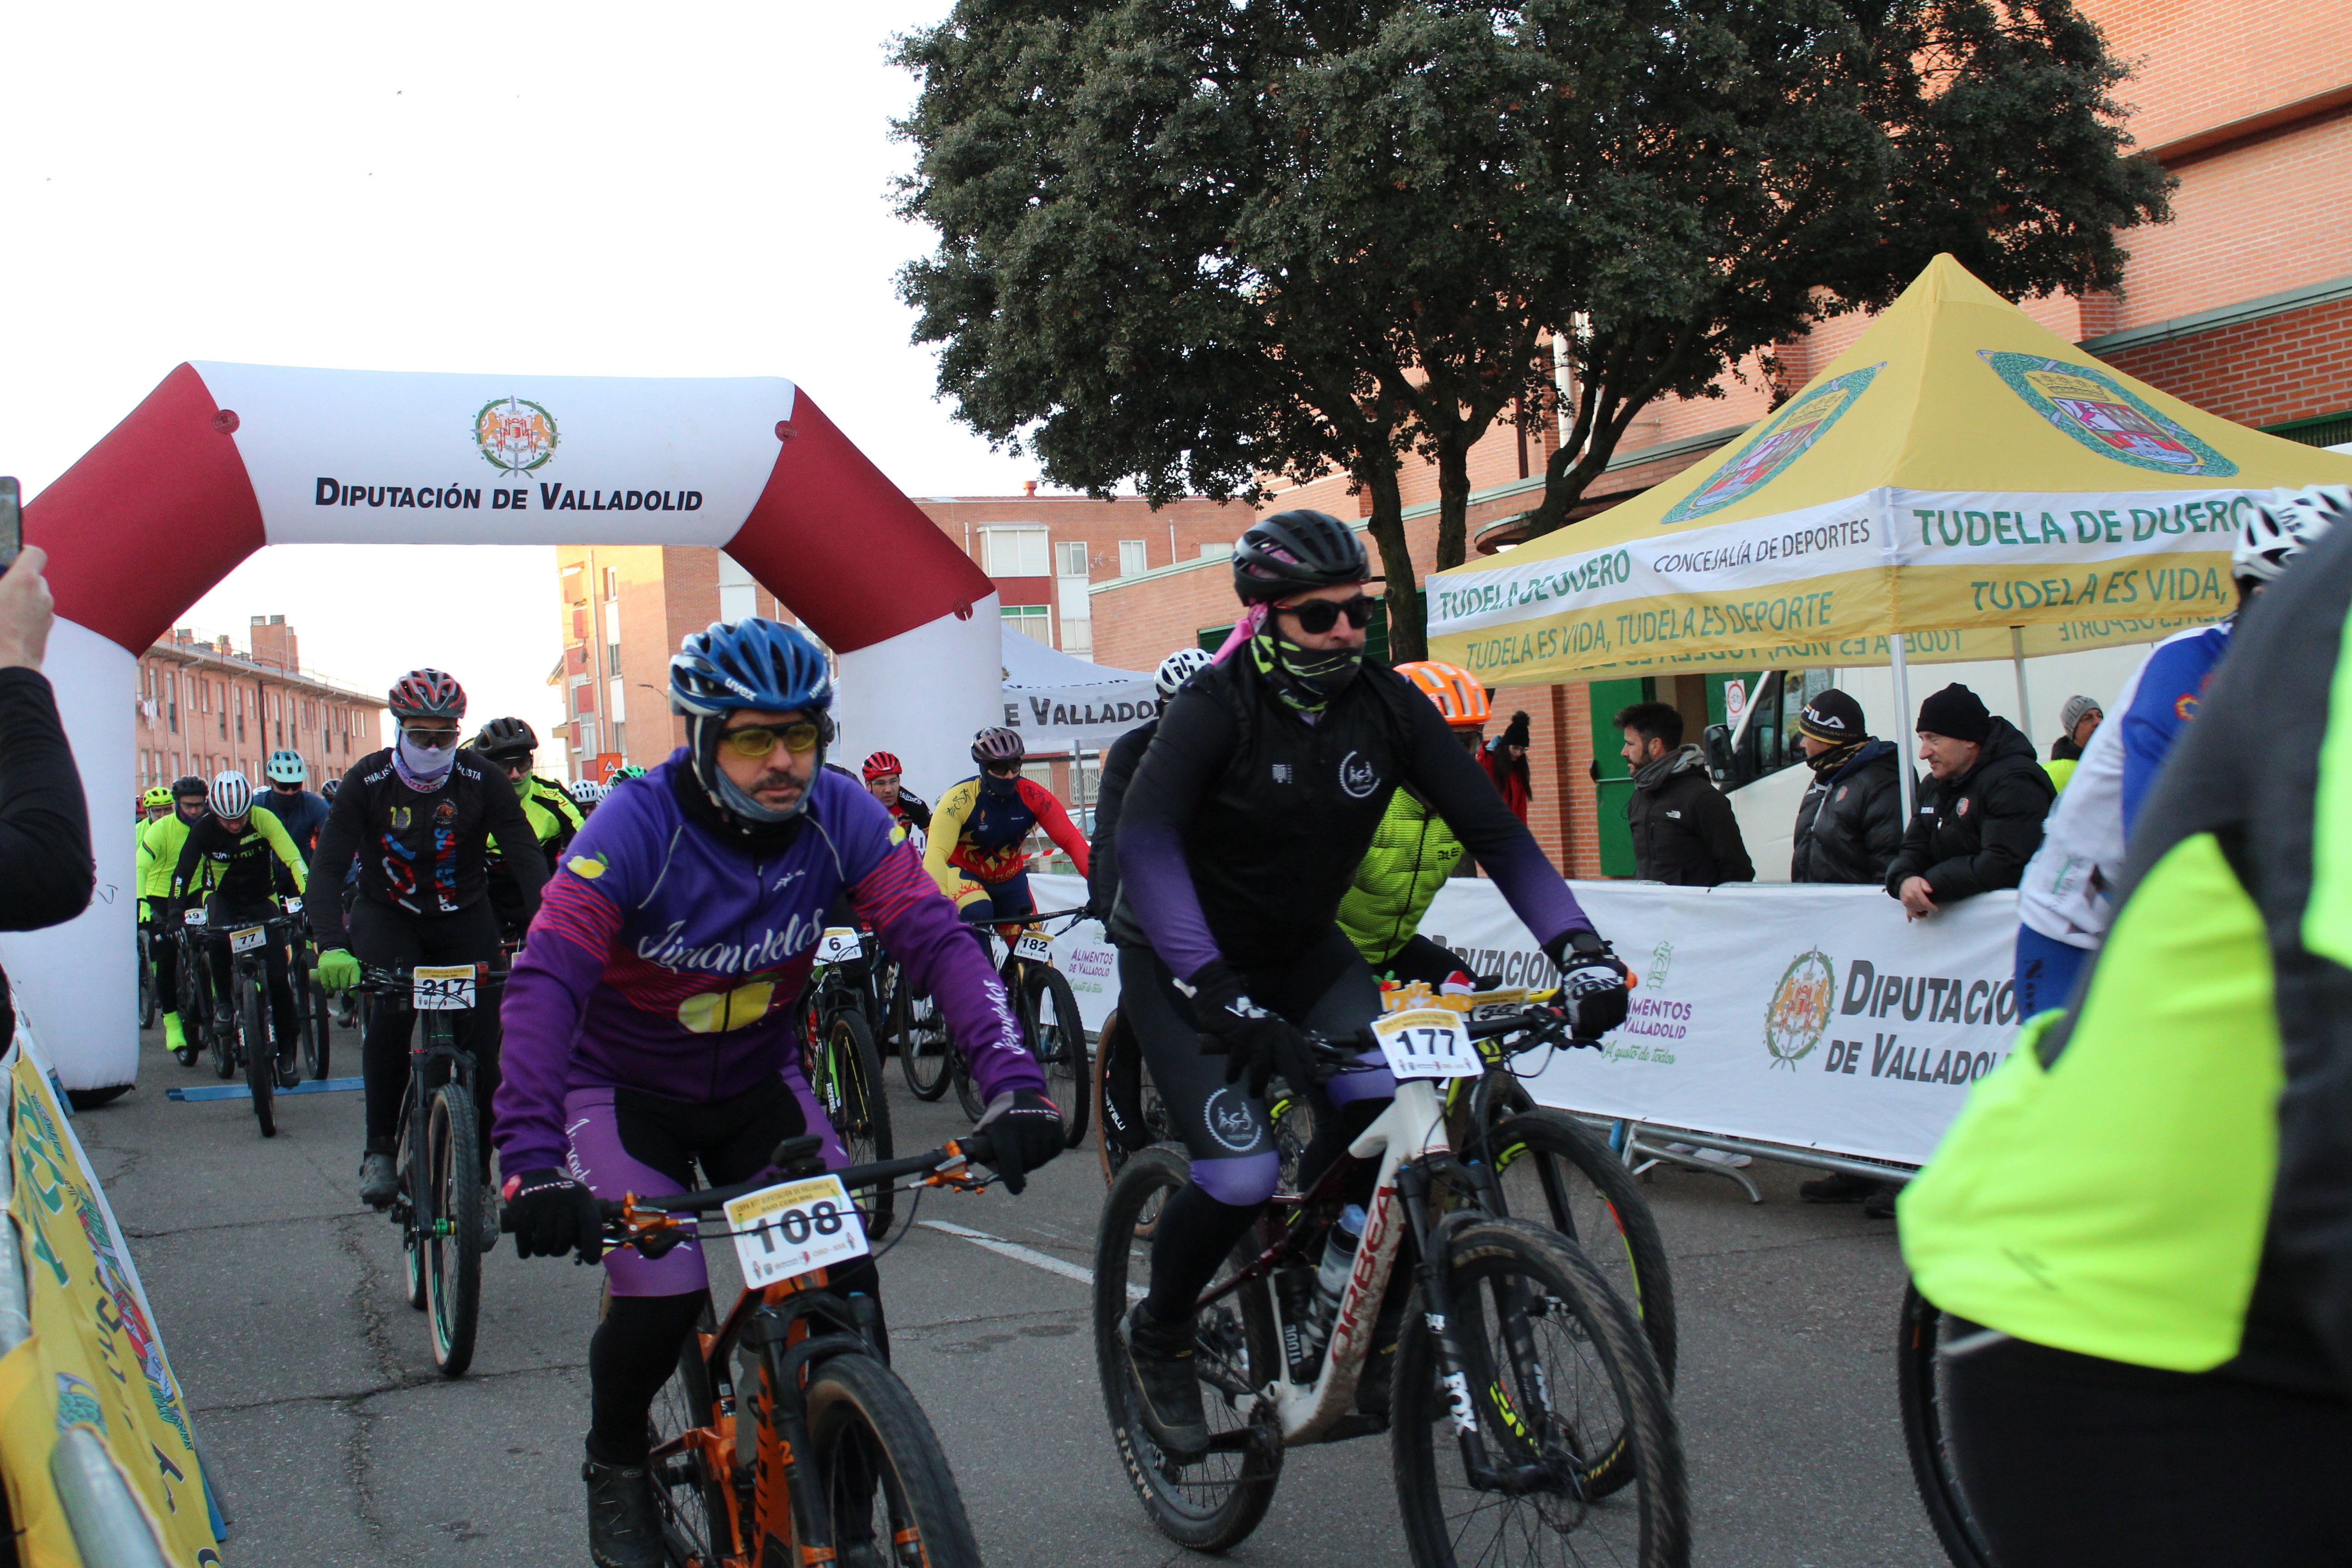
(1456, 692)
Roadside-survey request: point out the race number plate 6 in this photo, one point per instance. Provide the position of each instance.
(293, 906)
(1427, 1042)
(1035, 946)
(443, 990)
(246, 941)
(193, 917)
(838, 945)
(784, 1231)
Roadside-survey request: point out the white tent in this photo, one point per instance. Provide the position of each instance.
(1062, 704)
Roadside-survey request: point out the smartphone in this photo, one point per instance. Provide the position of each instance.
(12, 522)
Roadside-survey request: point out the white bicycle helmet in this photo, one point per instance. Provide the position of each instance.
(586, 792)
(1179, 668)
(231, 795)
(287, 767)
(2283, 528)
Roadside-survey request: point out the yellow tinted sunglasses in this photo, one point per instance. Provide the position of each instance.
(753, 741)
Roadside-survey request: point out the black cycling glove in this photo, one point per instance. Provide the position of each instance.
(552, 1214)
(1251, 1039)
(1591, 982)
(1026, 1129)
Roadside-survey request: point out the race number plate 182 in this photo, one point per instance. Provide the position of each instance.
(1035, 945)
(786, 1230)
(1426, 1042)
(838, 945)
(443, 990)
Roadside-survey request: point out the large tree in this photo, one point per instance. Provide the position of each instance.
(1204, 244)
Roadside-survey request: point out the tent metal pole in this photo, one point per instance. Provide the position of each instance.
(2017, 657)
(1903, 726)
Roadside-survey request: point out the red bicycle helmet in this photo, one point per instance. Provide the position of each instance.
(880, 763)
(426, 693)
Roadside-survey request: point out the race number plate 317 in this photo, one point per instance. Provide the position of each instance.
(1036, 946)
(443, 990)
(784, 1231)
(1426, 1042)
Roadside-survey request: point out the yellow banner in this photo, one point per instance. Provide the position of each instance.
(93, 1361)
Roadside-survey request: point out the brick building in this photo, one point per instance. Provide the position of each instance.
(202, 706)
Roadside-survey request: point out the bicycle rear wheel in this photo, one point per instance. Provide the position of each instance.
(147, 999)
(260, 1052)
(885, 1481)
(452, 1244)
(853, 1099)
(924, 1054)
(1561, 1384)
(1217, 1500)
(1061, 1047)
(1129, 1113)
(1920, 1390)
(691, 1495)
(318, 1025)
(1556, 1171)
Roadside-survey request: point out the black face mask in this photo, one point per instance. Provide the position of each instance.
(1306, 678)
(992, 784)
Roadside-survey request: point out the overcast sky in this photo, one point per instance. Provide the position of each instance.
(583, 190)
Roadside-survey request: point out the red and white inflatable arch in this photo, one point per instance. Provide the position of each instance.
(222, 459)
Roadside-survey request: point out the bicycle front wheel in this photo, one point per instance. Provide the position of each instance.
(1061, 1047)
(147, 999)
(317, 1025)
(924, 1054)
(691, 1495)
(453, 1242)
(1565, 1394)
(1919, 1387)
(885, 1481)
(853, 1099)
(260, 1051)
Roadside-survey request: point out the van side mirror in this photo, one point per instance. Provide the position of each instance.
(1717, 743)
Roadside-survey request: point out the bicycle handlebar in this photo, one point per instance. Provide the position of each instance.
(1543, 1023)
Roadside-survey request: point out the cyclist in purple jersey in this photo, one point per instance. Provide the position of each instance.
(649, 1021)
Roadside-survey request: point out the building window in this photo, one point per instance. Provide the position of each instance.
(612, 582)
(1078, 637)
(621, 738)
(1134, 557)
(739, 596)
(1070, 558)
(1032, 621)
(612, 658)
(614, 706)
(1015, 553)
(1210, 552)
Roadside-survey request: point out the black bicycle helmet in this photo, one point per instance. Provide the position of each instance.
(187, 784)
(1293, 552)
(507, 740)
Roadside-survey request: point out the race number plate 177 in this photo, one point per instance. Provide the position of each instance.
(784, 1231)
(449, 989)
(1035, 946)
(1426, 1042)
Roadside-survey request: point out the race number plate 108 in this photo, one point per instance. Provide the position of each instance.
(1426, 1042)
(784, 1231)
(1035, 945)
(444, 990)
(838, 945)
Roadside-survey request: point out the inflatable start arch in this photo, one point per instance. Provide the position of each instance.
(222, 459)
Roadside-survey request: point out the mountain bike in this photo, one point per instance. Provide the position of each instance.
(919, 1030)
(194, 994)
(441, 1206)
(1919, 1349)
(1563, 1437)
(844, 1069)
(242, 1035)
(312, 1019)
(149, 1005)
(784, 1436)
(1051, 1025)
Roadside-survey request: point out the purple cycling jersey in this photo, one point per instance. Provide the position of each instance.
(668, 960)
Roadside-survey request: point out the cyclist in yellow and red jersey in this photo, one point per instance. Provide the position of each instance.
(979, 826)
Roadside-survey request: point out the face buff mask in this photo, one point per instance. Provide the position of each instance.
(1306, 678)
(422, 768)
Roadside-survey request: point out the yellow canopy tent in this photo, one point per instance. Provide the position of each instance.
(1960, 474)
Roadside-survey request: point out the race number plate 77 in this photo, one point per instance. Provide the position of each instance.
(1426, 1042)
(443, 990)
(784, 1231)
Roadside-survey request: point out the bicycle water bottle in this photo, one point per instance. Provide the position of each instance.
(1338, 1261)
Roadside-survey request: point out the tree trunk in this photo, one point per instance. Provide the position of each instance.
(1453, 503)
(1406, 621)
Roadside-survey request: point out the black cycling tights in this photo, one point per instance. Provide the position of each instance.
(2070, 1461)
(388, 939)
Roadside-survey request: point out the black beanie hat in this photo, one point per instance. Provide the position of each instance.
(1516, 735)
(1956, 711)
(1833, 718)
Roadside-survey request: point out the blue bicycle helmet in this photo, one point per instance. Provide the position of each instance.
(749, 663)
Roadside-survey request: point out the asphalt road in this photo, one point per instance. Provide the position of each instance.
(337, 1443)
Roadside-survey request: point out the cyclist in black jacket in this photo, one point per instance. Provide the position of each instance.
(1245, 824)
(1118, 772)
(419, 815)
(239, 861)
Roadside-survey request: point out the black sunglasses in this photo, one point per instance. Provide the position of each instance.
(1317, 616)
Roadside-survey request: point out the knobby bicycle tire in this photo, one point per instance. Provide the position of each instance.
(692, 1500)
(925, 1056)
(1216, 1502)
(260, 1051)
(860, 1110)
(318, 1025)
(223, 1041)
(148, 1002)
(453, 1247)
(1526, 1283)
(1919, 1390)
(1061, 1049)
(967, 1091)
(413, 1181)
(867, 1435)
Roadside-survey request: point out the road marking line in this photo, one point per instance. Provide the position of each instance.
(1020, 1254)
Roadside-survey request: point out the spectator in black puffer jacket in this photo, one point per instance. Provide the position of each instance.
(1980, 818)
(1683, 830)
(1850, 824)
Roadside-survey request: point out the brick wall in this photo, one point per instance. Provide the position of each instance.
(2297, 365)
(2196, 65)
(193, 689)
(1141, 621)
